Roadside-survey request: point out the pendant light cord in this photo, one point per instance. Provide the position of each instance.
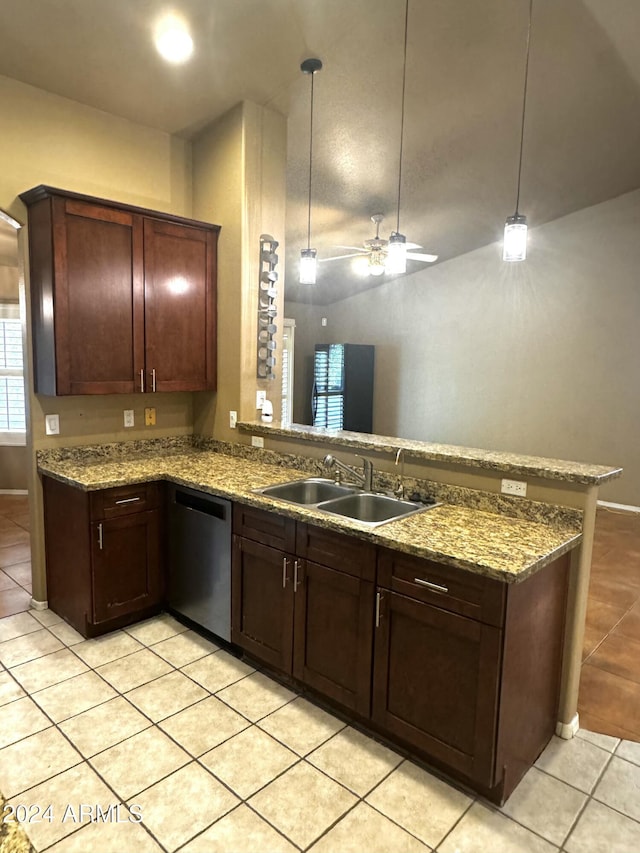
(404, 81)
(524, 103)
(310, 164)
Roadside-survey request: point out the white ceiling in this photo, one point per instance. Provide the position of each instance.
(462, 121)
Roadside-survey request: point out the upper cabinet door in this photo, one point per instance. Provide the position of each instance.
(99, 299)
(180, 306)
(123, 298)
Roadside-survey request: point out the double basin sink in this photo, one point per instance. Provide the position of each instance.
(368, 508)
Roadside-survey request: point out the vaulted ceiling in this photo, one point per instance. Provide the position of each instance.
(465, 72)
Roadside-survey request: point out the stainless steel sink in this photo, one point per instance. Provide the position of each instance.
(370, 508)
(311, 491)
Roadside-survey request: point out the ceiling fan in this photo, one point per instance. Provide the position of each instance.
(376, 250)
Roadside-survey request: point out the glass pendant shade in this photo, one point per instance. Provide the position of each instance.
(397, 254)
(515, 238)
(308, 266)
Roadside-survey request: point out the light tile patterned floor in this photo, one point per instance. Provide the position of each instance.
(217, 758)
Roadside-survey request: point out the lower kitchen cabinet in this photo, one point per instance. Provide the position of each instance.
(305, 619)
(262, 602)
(466, 668)
(333, 634)
(103, 554)
(436, 682)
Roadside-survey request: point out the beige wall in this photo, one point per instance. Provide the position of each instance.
(14, 467)
(46, 139)
(239, 174)
(539, 357)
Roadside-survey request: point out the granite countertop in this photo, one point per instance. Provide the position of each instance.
(488, 543)
(491, 460)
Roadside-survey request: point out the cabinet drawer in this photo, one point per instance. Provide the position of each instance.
(336, 550)
(124, 500)
(268, 528)
(443, 586)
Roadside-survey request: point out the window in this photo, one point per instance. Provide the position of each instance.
(12, 406)
(328, 386)
(287, 370)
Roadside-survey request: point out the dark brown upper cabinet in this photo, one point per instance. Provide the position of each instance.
(123, 299)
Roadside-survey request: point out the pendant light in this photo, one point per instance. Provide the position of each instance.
(397, 247)
(308, 260)
(515, 229)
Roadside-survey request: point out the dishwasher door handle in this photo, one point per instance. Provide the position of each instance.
(206, 506)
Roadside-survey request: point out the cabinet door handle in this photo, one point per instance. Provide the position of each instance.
(142, 380)
(153, 380)
(296, 582)
(284, 572)
(100, 540)
(378, 602)
(127, 501)
(436, 587)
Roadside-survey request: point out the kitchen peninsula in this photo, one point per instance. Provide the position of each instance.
(498, 567)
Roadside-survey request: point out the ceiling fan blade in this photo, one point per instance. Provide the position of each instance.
(353, 248)
(415, 256)
(410, 246)
(342, 257)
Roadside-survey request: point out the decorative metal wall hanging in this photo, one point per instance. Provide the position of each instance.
(267, 308)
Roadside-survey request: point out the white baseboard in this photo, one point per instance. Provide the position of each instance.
(621, 507)
(39, 605)
(13, 492)
(568, 730)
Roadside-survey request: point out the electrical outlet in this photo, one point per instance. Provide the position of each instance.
(150, 416)
(324, 321)
(261, 396)
(52, 424)
(129, 419)
(257, 441)
(514, 487)
(233, 419)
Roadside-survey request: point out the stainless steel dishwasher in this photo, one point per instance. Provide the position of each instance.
(199, 576)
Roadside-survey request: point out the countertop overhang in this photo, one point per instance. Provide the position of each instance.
(450, 454)
(488, 543)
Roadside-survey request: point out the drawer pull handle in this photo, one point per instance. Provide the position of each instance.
(378, 600)
(142, 381)
(296, 581)
(284, 573)
(436, 587)
(153, 380)
(100, 544)
(127, 501)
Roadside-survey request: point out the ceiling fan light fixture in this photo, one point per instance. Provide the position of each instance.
(376, 263)
(308, 266)
(397, 254)
(515, 238)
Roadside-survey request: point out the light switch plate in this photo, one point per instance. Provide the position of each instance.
(52, 424)
(257, 441)
(150, 416)
(129, 419)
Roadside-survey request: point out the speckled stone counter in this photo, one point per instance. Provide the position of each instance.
(489, 543)
(472, 457)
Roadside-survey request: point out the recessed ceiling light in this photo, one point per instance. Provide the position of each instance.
(172, 40)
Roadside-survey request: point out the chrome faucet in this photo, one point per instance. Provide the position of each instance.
(365, 479)
(399, 490)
